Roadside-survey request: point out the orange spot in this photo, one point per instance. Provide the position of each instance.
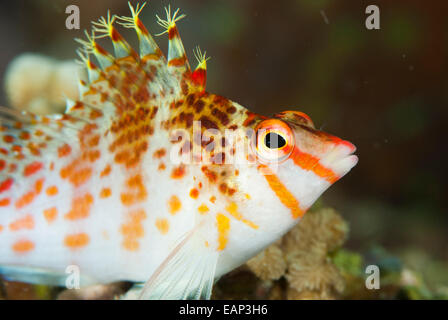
(159, 153)
(94, 141)
(81, 176)
(162, 167)
(5, 185)
(23, 246)
(80, 207)
(106, 171)
(133, 230)
(91, 155)
(163, 225)
(136, 194)
(223, 224)
(174, 204)
(178, 172)
(282, 193)
(203, 209)
(8, 139)
(1, 228)
(28, 197)
(76, 177)
(52, 191)
(26, 222)
(64, 150)
(25, 200)
(194, 193)
(212, 199)
(5, 202)
(32, 168)
(105, 193)
(39, 185)
(76, 241)
(50, 214)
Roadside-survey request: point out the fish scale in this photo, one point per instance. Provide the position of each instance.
(135, 181)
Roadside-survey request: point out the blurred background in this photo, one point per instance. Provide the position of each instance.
(384, 90)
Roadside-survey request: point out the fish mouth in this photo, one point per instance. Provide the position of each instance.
(341, 158)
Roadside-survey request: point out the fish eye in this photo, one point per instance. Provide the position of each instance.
(274, 140)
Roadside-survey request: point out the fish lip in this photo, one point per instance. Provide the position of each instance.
(341, 158)
(346, 157)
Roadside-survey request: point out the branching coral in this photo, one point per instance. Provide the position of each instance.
(302, 257)
(39, 84)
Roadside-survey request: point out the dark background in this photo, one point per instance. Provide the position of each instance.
(384, 90)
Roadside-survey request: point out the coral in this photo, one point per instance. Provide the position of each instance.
(302, 257)
(269, 264)
(322, 280)
(39, 84)
(95, 292)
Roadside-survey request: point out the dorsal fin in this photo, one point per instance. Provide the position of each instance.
(123, 92)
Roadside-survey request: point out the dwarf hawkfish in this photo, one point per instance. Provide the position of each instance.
(149, 178)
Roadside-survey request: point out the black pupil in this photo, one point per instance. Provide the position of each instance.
(274, 141)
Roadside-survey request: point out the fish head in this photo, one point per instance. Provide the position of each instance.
(292, 164)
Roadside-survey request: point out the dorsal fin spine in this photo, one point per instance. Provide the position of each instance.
(199, 76)
(106, 29)
(146, 43)
(176, 52)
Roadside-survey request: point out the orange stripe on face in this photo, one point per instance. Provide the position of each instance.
(309, 162)
(76, 241)
(23, 246)
(223, 224)
(26, 222)
(282, 193)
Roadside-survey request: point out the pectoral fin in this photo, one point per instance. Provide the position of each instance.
(187, 273)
